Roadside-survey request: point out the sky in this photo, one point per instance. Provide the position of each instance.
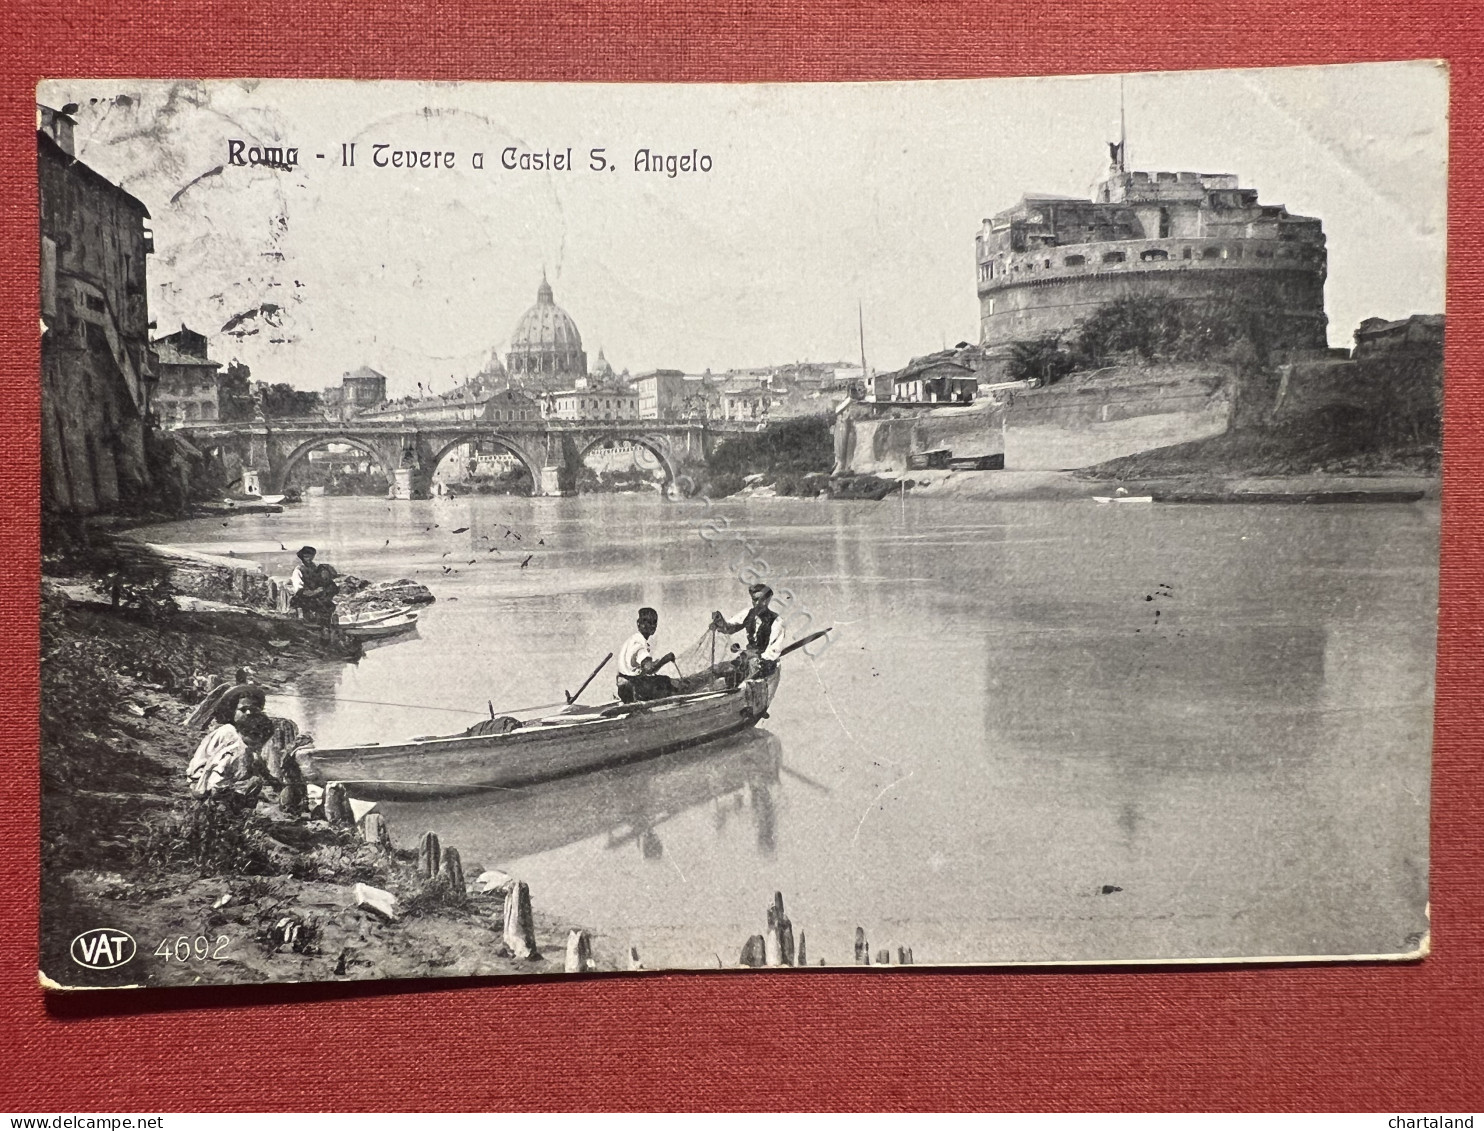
(823, 204)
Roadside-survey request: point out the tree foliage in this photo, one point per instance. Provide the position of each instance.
(281, 400)
(1145, 329)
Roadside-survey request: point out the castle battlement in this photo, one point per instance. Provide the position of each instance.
(1050, 261)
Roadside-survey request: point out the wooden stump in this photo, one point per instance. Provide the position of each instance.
(883, 956)
(451, 873)
(862, 948)
(428, 855)
(293, 798)
(520, 926)
(375, 832)
(803, 956)
(579, 953)
(780, 932)
(337, 805)
(904, 956)
(754, 952)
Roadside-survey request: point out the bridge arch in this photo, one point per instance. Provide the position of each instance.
(532, 466)
(655, 447)
(299, 451)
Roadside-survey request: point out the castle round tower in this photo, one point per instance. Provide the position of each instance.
(1051, 261)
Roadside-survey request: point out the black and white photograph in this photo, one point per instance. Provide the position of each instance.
(540, 528)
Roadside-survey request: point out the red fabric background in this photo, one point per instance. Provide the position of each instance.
(1392, 1038)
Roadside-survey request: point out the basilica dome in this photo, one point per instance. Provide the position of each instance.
(546, 347)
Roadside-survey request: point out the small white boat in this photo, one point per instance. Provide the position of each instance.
(375, 629)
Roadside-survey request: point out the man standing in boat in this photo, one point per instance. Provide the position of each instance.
(764, 633)
(638, 670)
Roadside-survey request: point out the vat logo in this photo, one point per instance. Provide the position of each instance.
(103, 948)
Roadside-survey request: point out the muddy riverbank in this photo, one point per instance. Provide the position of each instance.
(208, 895)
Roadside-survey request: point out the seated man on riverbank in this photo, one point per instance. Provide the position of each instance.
(638, 671)
(764, 635)
(312, 589)
(228, 763)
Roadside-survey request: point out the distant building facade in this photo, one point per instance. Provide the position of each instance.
(546, 347)
(97, 375)
(661, 394)
(937, 380)
(188, 388)
(359, 391)
(1050, 261)
(593, 404)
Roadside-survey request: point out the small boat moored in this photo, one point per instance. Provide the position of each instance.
(389, 624)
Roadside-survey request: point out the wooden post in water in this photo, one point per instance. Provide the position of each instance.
(337, 805)
(803, 958)
(428, 855)
(904, 956)
(780, 934)
(579, 953)
(754, 952)
(451, 873)
(883, 956)
(773, 947)
(520, 926)
(375, 832)
(862, 948)
(634, 963)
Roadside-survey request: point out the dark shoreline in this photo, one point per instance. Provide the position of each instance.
(117, 684)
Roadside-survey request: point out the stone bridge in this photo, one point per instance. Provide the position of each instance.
(409, 452)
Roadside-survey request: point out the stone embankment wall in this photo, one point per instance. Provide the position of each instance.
(1079, 422)
(1117, 412)
(873, 440)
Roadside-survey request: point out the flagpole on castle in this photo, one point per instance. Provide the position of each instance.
(1122, 131)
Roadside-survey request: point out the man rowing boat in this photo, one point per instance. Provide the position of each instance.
(639, 675)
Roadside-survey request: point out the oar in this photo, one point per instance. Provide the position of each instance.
(573, 697)
(810, 782)
(797, 644)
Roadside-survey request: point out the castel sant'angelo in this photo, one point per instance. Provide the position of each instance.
(1050, 261)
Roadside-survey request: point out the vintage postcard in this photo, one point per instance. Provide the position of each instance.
(525, 528)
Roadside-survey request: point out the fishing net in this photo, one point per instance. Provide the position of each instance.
(711, 658)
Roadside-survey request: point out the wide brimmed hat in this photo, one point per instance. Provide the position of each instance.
(310, 550)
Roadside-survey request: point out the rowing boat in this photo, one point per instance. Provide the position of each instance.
(383, 626)
(504, 753)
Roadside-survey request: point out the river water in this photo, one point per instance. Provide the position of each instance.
(1043, 730)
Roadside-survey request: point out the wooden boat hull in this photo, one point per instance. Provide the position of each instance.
(385, 626)
(544, 749)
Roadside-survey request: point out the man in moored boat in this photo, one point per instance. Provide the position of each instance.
(639, 675)
(764, 634)
(312, 589)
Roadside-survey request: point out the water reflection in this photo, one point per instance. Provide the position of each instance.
(622, 809)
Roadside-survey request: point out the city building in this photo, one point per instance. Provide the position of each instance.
(746, 403)
(359, 390)
(97, 376)
(188, 386)
(662, 394)
(592, 403)
(511, 406)
(1050, 261)
(935, 380)
(546, 347)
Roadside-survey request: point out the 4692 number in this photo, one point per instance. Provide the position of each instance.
(201, 948)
